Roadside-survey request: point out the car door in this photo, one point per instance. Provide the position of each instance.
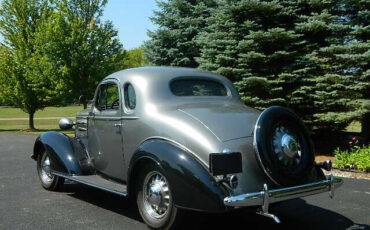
(104, 132)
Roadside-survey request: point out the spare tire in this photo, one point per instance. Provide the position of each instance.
(283, 146)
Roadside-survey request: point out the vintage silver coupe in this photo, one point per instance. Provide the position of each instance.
(179, 138)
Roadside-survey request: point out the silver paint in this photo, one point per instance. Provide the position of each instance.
(202, 125)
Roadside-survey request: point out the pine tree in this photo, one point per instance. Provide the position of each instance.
(357, 57)
(179, 21)
(285, 53)
(252, 43)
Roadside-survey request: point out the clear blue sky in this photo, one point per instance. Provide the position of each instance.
(131, 19)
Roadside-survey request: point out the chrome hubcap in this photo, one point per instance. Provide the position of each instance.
(45, 171)
(156, 195)
(286, 147)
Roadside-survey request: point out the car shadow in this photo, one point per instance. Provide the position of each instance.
(294, 214)
(102, 199)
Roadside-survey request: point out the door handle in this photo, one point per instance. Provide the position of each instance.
(118, 125)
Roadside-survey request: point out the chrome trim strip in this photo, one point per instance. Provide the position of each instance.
(130, 118)
(276, 195)
(114, 118)
(107, 118)
(87, 183)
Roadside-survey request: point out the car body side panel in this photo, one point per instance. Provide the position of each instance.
(60, 150)
(191, 184)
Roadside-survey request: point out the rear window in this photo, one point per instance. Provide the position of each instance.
(196, 87)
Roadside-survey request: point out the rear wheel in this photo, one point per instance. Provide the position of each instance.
(154, 199)
(48, 181)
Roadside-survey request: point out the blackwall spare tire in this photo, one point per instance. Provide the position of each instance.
(283, 146)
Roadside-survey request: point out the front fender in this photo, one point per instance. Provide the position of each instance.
(60, 150)
(191, 184)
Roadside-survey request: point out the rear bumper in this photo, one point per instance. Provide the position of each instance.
(264, 197)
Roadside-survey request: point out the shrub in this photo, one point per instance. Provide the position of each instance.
(355, 158)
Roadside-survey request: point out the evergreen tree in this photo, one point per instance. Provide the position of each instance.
(358, 59)
(179, 21)
(285, 53)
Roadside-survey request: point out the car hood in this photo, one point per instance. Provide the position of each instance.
(227, 121)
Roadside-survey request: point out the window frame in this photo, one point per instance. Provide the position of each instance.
(128, 110)
(228, 92)
(106, 108)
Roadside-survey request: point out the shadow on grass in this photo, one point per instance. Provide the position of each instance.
(294, 214)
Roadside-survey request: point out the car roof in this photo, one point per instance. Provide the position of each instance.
(162, 72)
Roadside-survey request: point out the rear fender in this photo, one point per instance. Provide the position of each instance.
(191, 184)
(60, 150)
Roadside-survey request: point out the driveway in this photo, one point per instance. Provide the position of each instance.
(25, 205)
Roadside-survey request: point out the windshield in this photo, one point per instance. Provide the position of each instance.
(197, 87)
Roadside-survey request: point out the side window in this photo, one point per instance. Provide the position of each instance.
(130, 96)
(108, 97)
(101, 101)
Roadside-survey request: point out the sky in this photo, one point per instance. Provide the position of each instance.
(131, 19)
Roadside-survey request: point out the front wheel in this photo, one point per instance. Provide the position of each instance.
(48, 181)
(154, 199)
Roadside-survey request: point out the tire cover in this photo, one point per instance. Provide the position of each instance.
(275, 169)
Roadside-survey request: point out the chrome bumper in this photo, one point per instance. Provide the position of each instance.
(266, 196)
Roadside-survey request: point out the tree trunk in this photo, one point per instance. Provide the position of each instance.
(30, 121)
(85, 105)
(365, 127)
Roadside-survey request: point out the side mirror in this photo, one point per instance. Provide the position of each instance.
(65, 123)
(83, 99)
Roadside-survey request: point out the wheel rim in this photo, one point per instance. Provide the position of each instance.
(286, 147)
(45, 171)
(156, 195)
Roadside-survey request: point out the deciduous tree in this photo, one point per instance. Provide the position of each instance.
(26, 75)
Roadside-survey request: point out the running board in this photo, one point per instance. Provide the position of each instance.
(96, 181)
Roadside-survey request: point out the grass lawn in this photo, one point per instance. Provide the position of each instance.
(20, 126)
(68, 111)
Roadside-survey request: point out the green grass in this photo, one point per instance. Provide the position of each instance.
(40, 125)
(21, 126)
(68, 111)
(355, 158)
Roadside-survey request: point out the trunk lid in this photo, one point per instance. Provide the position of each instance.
(227, 121)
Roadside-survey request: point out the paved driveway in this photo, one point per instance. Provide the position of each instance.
(25, 205)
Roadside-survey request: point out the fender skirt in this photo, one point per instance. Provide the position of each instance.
(192, 185)
(61, 152)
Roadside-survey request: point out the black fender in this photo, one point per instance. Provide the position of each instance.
(60, 149)
(191, 184)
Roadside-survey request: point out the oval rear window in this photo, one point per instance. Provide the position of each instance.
(197, 87)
